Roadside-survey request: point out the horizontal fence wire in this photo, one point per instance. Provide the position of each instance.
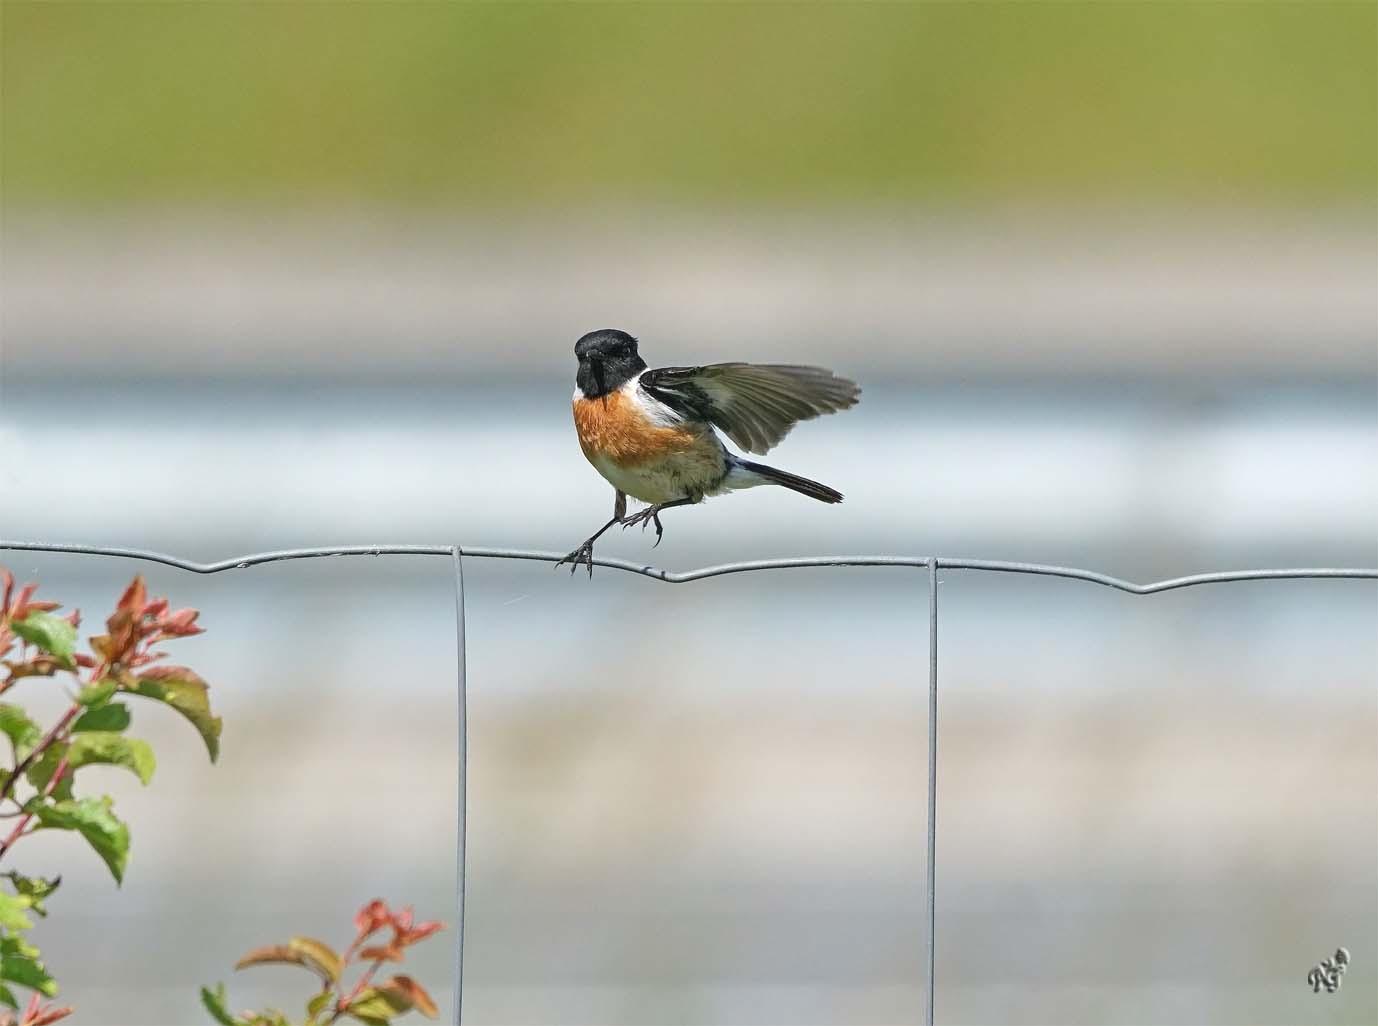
(685, 576)
(932, 564)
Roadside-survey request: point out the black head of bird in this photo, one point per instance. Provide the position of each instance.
(607, 360)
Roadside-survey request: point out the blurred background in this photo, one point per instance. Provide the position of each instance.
(301, 274)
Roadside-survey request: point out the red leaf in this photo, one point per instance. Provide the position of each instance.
(391, 953)
(181, 624)
(420, 932)
(51, 1015)
(20, 608)
(135, 597)
(306, 952)
(119, 643)
(372, 917)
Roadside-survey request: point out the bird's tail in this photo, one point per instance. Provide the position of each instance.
(793, 482)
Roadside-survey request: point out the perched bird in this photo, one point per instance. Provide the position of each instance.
(650, 432)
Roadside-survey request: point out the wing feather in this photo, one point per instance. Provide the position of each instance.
(756, 404)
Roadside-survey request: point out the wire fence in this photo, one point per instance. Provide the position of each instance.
(931, 564)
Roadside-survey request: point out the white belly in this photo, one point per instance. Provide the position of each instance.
(685, 475)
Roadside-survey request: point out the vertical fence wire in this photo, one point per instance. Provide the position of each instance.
(931, 894)
(461, 819)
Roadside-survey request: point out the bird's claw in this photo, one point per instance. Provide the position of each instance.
(649, 515)
(583, 554)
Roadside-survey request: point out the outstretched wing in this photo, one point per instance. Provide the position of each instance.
(756, 404)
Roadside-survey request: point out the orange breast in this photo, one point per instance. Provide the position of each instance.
(612, 427)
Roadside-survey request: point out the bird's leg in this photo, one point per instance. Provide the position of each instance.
(651, 515)
(584, 553)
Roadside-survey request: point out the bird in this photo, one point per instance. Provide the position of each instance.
(652, 433)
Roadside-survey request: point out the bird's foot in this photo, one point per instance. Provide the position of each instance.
(583, 554)
(649, 515)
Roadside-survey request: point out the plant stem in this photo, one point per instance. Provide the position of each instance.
(48, 739)
(343, 1004)
(59, 729)
(18, 830)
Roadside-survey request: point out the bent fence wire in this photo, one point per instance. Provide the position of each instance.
(932, 564)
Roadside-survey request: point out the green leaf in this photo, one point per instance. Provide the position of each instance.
(51, 633)
(22, 731)
(368, 1018)
(319, 956)
(16, 945)
(42, 769)
(185, 691)
(7, 997)
(92, 818)
(111, 749)
(368, 1011)
(12, 911)
(214, 1002)
(377, 1007)
(34, 888)
(27, 972)
(97, 694)
(114, 716)
(319, 1004)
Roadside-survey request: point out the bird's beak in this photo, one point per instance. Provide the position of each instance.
(596, 363)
